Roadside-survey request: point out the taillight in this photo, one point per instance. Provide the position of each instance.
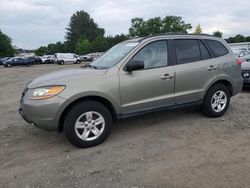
(238, 61)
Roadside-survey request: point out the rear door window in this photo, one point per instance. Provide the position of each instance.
(217, 48)
(187, 50)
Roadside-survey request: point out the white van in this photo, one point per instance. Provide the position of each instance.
(62, 58)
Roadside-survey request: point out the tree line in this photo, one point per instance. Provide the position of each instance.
(84, 36)
(6, 49)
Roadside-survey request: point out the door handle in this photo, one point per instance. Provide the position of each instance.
(166, 77)
(211, 68)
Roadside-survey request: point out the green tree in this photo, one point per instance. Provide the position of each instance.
(82, 26)
(198, 29)
(237, 38)
(175, 24)
(217, 33)
(156, 25)
(55, 48)
(138, 27)
(248, 38)
(83, 47)
(6, 48)
(41, 51)
(115, 40)
(100, 44)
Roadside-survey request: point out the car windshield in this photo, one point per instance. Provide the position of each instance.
(114, 55)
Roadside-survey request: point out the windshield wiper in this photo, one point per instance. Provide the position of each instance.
(89, 66)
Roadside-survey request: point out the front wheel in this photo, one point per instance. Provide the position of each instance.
(88, 124)
(216, 101)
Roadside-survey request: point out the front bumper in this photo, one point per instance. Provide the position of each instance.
(41, 113)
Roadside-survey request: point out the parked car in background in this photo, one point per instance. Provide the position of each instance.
(243, 54)
(48, 59)
(62, 58)
(84, 57)
(245, 68)
(17, 61)
(132, 78)
(4, 59)
(97, 55)
(91, 56)
(35, 59)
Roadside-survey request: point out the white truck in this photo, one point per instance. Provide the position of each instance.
(62, 58)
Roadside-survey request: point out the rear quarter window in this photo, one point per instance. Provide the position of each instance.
(216, 47)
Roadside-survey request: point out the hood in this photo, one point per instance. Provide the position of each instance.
(245, 66)
(64, 76)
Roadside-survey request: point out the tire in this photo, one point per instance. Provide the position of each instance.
(78, 62)
(213, 107)
(28, 64)
(8, 65)
(61, 63)
(79, 114)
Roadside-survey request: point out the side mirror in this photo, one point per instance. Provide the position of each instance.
(134, 65)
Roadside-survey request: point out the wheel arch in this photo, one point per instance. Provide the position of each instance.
(223, 81)
(69, 106)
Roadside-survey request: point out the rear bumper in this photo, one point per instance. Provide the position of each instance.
(246, 82)
(237, 87)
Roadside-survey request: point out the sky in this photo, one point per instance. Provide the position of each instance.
(32, 23)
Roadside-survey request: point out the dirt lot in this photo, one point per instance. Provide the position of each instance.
(179, 148)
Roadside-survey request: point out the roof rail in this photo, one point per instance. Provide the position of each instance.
(173, 33)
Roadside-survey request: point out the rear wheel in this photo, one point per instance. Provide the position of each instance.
(216, 101)
(88, 124)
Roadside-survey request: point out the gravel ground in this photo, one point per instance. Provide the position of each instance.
(180, 148)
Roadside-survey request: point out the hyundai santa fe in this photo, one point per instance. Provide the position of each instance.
(134, 77)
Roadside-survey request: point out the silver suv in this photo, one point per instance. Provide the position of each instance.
(134, 77)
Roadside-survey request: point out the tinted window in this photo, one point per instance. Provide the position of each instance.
(187, 50)
(204, 53)
(217, 48)
(154, 55)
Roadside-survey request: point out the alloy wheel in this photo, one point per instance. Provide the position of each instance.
(219, 101)
(89, 126)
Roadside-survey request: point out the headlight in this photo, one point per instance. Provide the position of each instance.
(46, 92)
